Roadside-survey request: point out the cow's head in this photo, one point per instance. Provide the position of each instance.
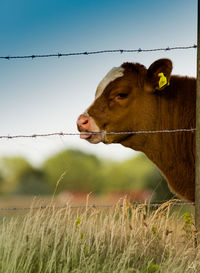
(125, 100)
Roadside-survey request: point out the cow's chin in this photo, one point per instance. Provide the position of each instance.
(118, 138)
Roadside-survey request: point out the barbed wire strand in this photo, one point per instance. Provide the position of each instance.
(139, 50)
(98, 133)
(93, 206)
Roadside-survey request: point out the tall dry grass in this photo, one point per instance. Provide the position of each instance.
(93, 240)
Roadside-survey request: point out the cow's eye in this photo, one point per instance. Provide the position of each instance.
(122, 96)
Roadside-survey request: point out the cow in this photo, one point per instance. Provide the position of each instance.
(134, 98)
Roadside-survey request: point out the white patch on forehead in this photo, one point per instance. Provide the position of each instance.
(113, 74)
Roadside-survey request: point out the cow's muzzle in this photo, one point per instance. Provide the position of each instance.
(89, 129)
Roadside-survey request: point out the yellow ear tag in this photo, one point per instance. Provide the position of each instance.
(163, 80)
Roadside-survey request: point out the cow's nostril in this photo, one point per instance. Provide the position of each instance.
(83, 122)
(86, 121)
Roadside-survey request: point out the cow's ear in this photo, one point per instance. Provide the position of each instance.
(158, 75)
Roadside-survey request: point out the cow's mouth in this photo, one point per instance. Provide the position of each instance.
(93, 137)
(85, 135)
(88, 135)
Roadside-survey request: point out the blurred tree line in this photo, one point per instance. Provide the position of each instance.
(74, 170)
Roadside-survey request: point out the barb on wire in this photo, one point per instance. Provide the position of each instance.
(97, 133)
(34, 56)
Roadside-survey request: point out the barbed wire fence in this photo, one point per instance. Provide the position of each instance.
(139, 50)
(98, 133)
(62, 134)
(136, 204)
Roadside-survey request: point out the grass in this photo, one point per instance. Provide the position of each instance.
(92, 240)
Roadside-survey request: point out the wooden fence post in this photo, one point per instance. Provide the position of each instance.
(197, 158)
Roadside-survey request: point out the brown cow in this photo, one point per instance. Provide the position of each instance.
(134, 98)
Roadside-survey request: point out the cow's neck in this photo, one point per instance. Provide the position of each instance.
(174, 160)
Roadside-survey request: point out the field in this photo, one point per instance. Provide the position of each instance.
(123, 239)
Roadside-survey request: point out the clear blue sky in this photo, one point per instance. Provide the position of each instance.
(47, 95)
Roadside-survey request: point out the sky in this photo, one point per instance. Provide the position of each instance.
(48, 95)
